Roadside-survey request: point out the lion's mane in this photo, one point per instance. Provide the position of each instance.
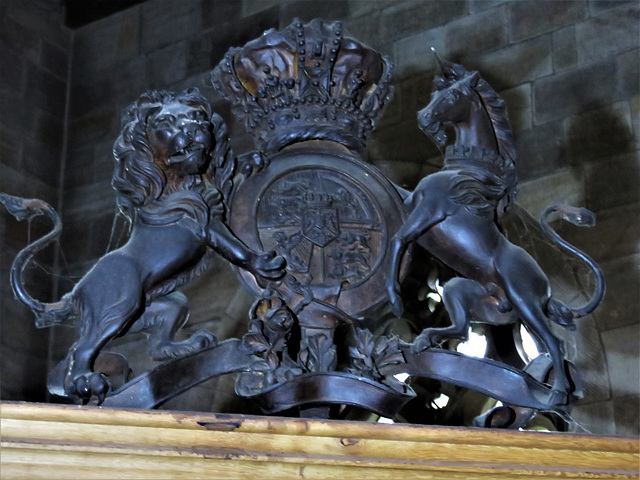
(142, 189)
(143, 192)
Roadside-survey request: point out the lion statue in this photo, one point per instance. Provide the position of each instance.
(174, 169)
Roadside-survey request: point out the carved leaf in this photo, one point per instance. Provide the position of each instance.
(255, 343)
(321, 353)
(388, 352)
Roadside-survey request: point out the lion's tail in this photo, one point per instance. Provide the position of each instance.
(47, 314)
(584, 218)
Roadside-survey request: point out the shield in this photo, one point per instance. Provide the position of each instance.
(320, 225)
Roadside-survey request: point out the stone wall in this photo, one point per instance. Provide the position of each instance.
(34, 60)
(568, 71)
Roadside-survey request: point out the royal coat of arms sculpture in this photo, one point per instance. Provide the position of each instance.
(321, 238)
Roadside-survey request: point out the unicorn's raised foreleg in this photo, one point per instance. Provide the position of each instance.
(413, 228)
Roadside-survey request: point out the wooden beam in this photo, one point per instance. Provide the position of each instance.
(62, 441)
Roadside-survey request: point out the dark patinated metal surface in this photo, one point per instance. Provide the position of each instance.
(336, 233)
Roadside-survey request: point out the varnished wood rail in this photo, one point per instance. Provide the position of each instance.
(69, 442)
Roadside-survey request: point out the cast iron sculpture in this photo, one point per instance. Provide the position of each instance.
(173, 168)
(455, 215)
(310, 96)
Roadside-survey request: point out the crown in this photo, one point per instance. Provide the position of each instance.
(308, 81)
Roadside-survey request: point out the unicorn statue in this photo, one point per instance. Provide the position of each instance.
(456, 215)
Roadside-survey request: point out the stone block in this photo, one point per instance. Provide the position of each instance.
(49, 130)
(513, 65)
(166, 65)
(574, 91)
(20, 183)
(358, 8)
(236, 34)
(401, 152)
(405, 174)
(518, 100)
(613, 182)
(541, 150)
(621, 346)
(107, 43)
(18, 331)
(102, 228)
(11, 147)
(45, 18)
(165, 22)
(238, 311)
(367, 29)
(199, 52)
(19, 39)
(55, 59)
(414, 94)
(329, 10)
(79, 168)
(595, 418)
(599, 134)
(46, 91)
(23, 114)
(103, 161)
(75, 239)
(614, 236)
(210, 294)
(409, 18)
(130, 82)
(565, 49)
(628, 78)
(92, 128)
(90, 94)
(562, 186)
(24, 376)
(615, 31)
(251, 7)
(620, 307)
(412, 56)
(528, 18)
(625, 413)
(476, 6)
(87, 201)
(482, 32)
(13, 68)
(215, 13)
(598, 6)
(42, 162)
(634, 106)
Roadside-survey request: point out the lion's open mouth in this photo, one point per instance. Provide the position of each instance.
(186, 152)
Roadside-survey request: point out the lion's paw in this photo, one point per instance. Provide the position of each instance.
(88, 386)
(269, 265)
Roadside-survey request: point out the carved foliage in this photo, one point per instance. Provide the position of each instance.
(370, 353)
(270, 325)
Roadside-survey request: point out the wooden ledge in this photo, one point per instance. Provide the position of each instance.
(67, 442)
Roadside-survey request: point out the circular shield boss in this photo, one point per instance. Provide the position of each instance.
(329, 214)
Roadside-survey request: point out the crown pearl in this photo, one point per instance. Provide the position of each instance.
(289, 97)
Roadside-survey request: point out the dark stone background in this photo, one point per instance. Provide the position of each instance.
(568, 71)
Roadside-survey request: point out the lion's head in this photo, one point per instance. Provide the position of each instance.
(169, 142)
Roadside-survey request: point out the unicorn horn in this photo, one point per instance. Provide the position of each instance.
(446, 71)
